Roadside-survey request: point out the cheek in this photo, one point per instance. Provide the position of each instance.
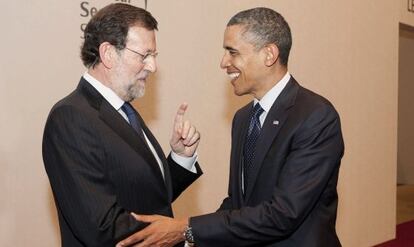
(131, 69)
(252, 70)
(238, 63)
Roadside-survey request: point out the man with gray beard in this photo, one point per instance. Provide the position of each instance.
(102, 161)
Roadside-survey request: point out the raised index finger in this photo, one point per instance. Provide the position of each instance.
(179, 117)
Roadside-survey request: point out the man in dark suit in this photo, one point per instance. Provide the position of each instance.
(285, 156)
(102, 161)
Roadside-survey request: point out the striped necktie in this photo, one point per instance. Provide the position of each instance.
(250, 144)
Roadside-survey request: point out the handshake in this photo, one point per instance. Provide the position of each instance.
(162, 231)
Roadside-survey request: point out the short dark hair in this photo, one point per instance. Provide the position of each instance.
(265, 26)
(111, 24)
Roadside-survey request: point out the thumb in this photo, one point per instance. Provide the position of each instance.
(136, 216)
(143, 218)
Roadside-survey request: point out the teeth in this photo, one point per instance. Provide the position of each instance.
(234, 75)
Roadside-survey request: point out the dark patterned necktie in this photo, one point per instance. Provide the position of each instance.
(133, 118)
(250, 144)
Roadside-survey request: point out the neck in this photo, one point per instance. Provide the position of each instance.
(273, 76)
(100, 74)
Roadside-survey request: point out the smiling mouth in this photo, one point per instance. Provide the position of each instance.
(233, 76)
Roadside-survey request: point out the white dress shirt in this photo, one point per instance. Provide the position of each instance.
(270, 97)
(116, 102)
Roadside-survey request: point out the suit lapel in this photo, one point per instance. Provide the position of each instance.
(161, 155)
(275, 119)
(118, 124)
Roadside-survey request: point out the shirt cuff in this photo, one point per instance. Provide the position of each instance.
(186, 162)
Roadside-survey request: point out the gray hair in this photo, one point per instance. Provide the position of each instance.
(265, 26)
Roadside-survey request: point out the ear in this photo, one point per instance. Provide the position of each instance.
(271, 53)
(107, 53)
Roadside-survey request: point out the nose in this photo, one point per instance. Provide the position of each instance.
(225, 61)
(151, 64)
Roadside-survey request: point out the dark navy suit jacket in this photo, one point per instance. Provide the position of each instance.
(293, 199)
(100, 170)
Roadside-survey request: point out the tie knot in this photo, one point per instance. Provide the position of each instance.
(257, 111)
(127, 108)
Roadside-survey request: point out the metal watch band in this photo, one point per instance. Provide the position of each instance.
(188, 235)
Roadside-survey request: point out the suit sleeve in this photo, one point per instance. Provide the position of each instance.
(73, 158)
(313, 158)
(181, 178)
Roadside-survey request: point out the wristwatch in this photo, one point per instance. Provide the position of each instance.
(188, 235)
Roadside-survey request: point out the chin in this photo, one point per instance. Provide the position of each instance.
(135, 92)
(141, 91)
(138, 94)
(239, 92)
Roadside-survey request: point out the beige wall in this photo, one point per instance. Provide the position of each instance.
(344, 50)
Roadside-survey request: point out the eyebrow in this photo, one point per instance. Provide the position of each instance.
(229, 48)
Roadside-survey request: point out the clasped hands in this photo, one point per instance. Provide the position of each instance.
(162, 231)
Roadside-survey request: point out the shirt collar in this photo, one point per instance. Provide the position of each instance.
(105, 91)
(270, 97)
